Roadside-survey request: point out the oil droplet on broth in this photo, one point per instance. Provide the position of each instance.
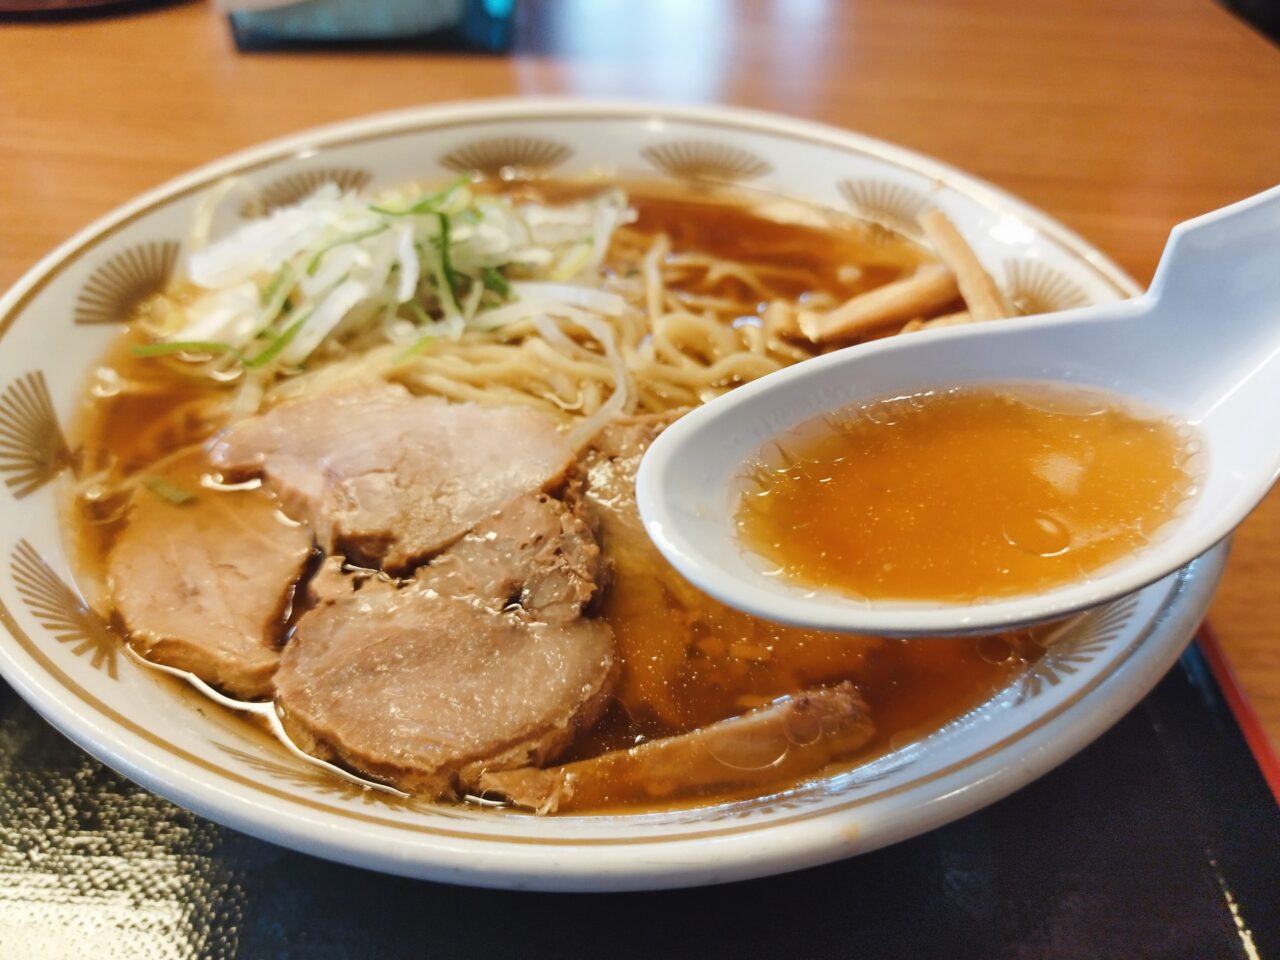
(995, 649)
(962, 494)
(758, 751)
(1038, 534)
(802, 728)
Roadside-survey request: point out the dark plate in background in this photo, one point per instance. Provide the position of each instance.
(1160, 840)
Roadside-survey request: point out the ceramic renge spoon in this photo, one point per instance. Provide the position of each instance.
(1203, 344)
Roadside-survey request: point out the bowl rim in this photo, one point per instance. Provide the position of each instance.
(462, 113)
(767, 847)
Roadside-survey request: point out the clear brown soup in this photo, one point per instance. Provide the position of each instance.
(686, 660)
(964, 494)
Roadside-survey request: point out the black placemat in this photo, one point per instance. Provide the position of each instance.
(1160, 840)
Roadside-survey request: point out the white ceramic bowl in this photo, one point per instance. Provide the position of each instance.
(66, 661)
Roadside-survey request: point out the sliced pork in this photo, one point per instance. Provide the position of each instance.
(405, 683)
(610, 466)
(537, 552)
(627, 438)
(390, 478)
(787, 740)
(203, 585)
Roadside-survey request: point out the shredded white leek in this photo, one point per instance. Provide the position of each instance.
(399, 267)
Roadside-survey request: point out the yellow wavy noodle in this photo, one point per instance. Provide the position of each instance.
(686, 340)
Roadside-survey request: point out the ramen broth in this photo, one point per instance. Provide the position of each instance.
(965, 494)
(686, 660)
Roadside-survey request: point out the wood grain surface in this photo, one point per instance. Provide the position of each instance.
(1119, 117)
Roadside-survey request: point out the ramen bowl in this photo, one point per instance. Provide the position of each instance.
(71, 665)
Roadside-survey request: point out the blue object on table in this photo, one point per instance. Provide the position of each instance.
(468, 24)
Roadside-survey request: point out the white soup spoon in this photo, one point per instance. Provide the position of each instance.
(1203, 344)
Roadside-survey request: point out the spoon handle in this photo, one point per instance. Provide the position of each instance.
(1209, 326)
(1224, 256)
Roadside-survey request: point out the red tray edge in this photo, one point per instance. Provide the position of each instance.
(1247, 719)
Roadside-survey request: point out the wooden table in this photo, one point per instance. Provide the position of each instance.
(1119, 117)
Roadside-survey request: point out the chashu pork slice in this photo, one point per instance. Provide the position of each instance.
(789, 739)
(610, 465)
(407, 684)
(203, 585)
(390, 478)
(536, 552)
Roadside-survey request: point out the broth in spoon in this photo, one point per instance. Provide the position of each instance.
(965, 494)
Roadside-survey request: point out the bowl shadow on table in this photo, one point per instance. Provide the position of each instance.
(1140, 846)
